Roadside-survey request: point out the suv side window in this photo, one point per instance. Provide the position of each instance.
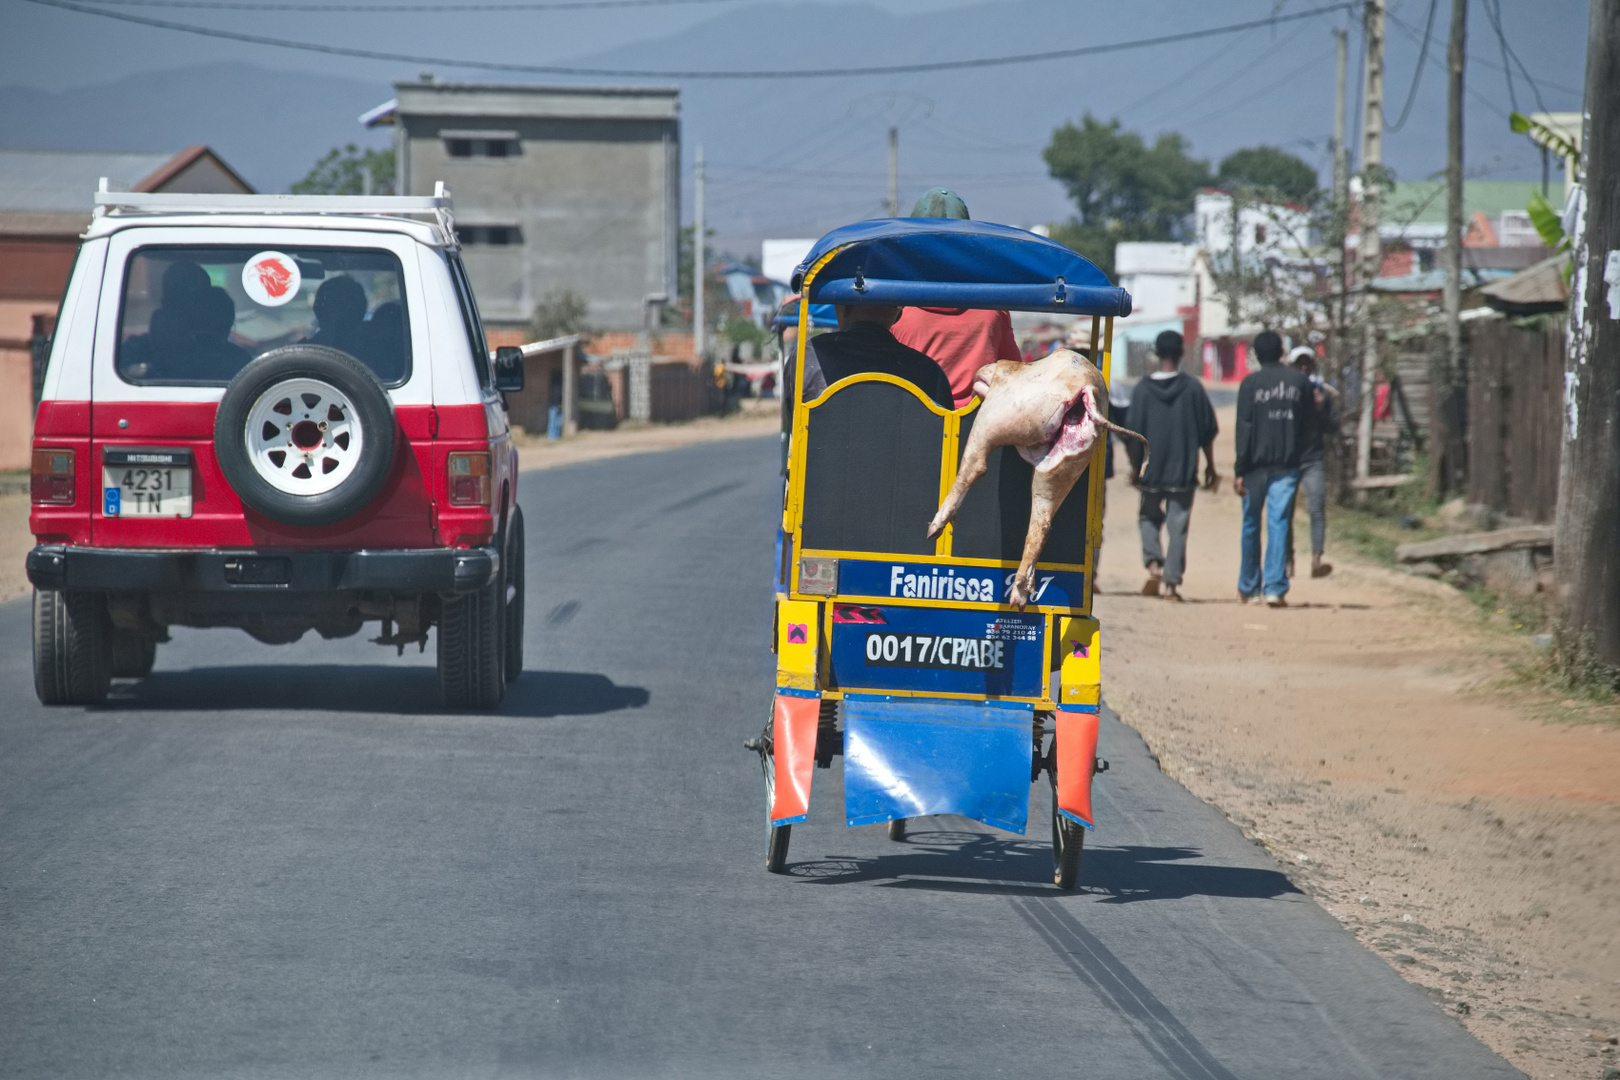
(475, 326)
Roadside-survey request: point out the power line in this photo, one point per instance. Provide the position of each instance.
(1417, 72)
(1482, 61)
(517, 5)
(809, 73)
(1493, 16)
(1493, 12)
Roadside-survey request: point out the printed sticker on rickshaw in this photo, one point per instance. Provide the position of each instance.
(958, 584)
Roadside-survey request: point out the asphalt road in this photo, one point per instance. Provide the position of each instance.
(267, 862)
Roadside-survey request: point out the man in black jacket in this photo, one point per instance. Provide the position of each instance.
(863, 342)
(1172, 411)
(1276, 421)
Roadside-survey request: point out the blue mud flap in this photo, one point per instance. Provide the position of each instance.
(909, 757)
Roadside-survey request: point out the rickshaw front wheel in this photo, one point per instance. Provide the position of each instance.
(897, 829)
(1068, 841)
(776, 851)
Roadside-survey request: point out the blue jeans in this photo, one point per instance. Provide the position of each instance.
(1269, 492)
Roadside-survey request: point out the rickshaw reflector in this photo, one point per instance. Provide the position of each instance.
(818, 576)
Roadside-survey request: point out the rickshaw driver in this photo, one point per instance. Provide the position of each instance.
(863, 343)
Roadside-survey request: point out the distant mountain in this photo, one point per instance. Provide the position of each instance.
(798, 156)
(270, 126)
(795, 157)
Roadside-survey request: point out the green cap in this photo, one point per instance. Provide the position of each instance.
(940, 202)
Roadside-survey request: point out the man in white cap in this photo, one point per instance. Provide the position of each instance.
(1312, 467)
(961, 340)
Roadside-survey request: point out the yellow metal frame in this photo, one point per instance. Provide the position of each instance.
(1056, 618)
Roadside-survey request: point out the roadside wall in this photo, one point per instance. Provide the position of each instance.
(1515, 402)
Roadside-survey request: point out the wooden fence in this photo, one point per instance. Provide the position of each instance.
(1515, 412)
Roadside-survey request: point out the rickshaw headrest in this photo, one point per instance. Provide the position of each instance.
(945, 262)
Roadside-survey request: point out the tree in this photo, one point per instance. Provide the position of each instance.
(1123, 189)
(714, 291)
(342, 171)
(561, 311)
(1268, 172)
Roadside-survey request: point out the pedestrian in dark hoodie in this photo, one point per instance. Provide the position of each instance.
(1276, 423)
(1172, 411)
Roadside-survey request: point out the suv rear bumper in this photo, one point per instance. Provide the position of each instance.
(443, 570)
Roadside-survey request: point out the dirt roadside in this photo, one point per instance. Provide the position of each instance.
(757, 418)
(1354, 734)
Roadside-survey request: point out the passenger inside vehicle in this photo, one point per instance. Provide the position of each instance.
(383, 342)
(862, 343)
(189, 336)
(340, 311)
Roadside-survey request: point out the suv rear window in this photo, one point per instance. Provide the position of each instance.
(195, 316)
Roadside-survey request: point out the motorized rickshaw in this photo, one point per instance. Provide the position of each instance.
(898, 652)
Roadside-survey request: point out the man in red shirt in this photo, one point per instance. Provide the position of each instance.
(961, 340)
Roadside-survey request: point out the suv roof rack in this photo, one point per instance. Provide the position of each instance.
(438, 205)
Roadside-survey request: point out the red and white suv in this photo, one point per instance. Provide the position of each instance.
(276, 413)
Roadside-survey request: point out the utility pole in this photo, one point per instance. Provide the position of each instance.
(1455, 62)
(894, 172)
(1341, 194)
(1372, 162)
(1586, 557)
(699, 329)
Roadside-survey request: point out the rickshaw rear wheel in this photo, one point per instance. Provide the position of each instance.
(1068, 841)
(776, 851)
(897, 829)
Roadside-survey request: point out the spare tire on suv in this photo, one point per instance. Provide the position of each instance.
(305, 435)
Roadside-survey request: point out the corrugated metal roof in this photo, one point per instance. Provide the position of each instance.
(1435, 280)
(64, 180)
(1424, 201)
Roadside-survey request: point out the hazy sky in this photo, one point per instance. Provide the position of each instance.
(53, 49)
(805, 156)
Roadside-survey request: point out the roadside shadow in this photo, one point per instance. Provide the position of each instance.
(361, 688)
(975, 862)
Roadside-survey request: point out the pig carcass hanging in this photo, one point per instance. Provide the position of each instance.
(1053, 412)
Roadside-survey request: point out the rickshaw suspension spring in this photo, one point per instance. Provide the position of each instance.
(829, 740)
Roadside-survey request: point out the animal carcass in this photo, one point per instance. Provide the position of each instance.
(1052, 412)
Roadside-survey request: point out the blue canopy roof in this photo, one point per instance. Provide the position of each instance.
(943, 262)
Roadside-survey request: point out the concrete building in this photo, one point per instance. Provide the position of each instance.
(554, 187)
(44, 206)
(1159, 277)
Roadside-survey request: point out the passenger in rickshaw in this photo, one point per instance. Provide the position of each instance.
(961, 340)
(862, 343)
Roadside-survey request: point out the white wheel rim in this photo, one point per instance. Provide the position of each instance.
(302, 437)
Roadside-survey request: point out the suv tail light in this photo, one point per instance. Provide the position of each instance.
(469, 479)
(50, 478)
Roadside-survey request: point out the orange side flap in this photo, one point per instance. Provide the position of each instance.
(794, 737)
(1076, 761)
